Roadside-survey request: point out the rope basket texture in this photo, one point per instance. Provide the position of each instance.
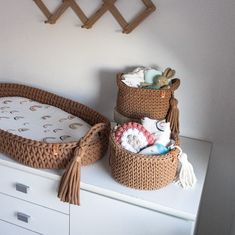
(70, 155)
(140, 171)
(135, 103)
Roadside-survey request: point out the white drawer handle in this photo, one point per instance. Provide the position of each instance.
(23, 217)
(22, 188)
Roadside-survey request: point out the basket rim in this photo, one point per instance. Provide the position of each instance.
(173, 87)
(25, 90)
(170, 154)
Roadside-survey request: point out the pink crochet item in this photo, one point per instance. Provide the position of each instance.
(133, 136)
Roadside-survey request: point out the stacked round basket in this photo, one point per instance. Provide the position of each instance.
(137, 170)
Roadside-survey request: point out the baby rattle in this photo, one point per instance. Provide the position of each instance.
(133, 137)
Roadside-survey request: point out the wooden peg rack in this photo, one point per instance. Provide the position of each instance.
(107, 5)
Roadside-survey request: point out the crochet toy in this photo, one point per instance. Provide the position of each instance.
(133, 136)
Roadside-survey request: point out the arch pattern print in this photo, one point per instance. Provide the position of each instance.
(107, 5)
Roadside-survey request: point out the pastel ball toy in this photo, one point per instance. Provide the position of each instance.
(156, 149)
(133, 137)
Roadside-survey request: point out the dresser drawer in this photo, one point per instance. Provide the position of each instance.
(109, 216)
(32, 188)
(11, 229)
(33, 217)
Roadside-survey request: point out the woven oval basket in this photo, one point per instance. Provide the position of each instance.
(140, 171)
(70, 155)
(136, 103)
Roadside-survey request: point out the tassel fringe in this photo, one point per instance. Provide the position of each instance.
(173, 116)
(69, 189)
(185, 177)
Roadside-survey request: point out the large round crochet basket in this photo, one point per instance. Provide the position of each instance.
(140, 171)
(135, 103)
(70, 155)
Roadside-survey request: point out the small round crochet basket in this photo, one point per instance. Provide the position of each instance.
(140, 171)
(71, 155)
(135, 103)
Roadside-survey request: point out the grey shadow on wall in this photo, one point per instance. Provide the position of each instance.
(106, 97)
(107, 93)
(105, 103)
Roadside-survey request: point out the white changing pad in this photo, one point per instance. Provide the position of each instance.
(41, 122)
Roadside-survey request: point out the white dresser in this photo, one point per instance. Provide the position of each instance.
(29, 204)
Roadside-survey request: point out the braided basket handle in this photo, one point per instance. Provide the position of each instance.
(175, 84)
(95, 133)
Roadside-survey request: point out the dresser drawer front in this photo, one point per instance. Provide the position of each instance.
(33, 217)
(110, 216)
(32, 188)
(11, 229)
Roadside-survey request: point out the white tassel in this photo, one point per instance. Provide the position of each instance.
(186, 176)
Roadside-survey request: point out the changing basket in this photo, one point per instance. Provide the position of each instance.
(70, 155)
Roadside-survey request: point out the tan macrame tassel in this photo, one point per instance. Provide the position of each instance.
(173, 116)
(69, 189)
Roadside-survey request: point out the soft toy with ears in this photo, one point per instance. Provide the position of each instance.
(162, 81)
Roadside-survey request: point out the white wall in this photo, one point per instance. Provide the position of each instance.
(197, 38)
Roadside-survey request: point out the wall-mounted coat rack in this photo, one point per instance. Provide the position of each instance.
(107, 5)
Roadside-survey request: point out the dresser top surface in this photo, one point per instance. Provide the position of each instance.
(171, 200)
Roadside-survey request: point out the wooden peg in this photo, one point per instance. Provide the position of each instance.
(108, 5)
(53, 17)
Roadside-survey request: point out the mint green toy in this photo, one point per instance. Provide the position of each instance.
(150, 74)
(162, 81)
